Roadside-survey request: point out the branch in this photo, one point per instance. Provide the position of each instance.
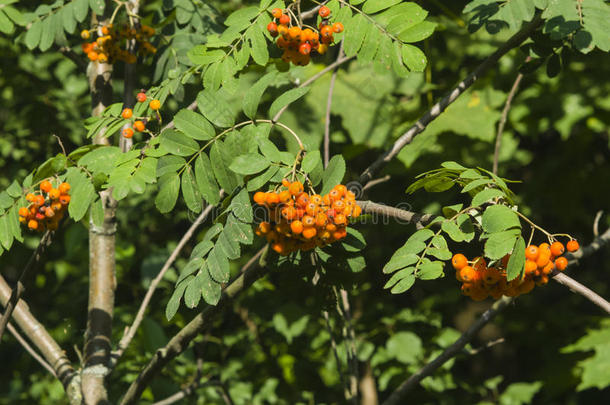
(398, 395)
(503, 119)
(398, 213)
(41, 338)
(439, 107)
(30, 349)
(180, 341)
(73, 56)
(19, 288)
(131, 331)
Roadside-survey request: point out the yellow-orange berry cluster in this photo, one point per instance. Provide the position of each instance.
(110, 44)
(480, 281)
(298, 220)
(139, 124)
(46, 208)
(299, 43)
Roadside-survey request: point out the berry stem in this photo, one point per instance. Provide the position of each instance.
(526, 219)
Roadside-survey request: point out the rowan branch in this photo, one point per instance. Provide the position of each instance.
(30, 349)
(42, 340)
(180, 341)
(19, 288)
(397, 213)
(397, 397)
(131, 331)
(439, 107)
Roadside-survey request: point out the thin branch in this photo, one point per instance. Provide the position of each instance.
(397, 213)
(598, 216)
(185, 392)
(397, 397)
(375, 182)
(578, 288)
(19, 288)
(73, 56)
(503, 119)
(486, 346)
(439, 107)
(180, 341)
(131, 331)
(30, 349)
(42, 340)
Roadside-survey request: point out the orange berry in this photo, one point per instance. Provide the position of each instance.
(294, 33)
(467, 273)
(531, 252)
(127, 113)
(480, 264)
(30, 197)
(127, 132)
(326, 32)
(334, 195)
(324, 11)
(284, 19)
(141, 97)
(557, 248)
(289, 213)
(285, 182)
(308, 221)
(295, 188)
(543, 259)
(321, 219)
(272, 198)
(56, 206)
(285, 196)
(322, 49)
(467, 289)
(302, 200)
(272, 28)
(49, 213)
(296, 227)
(311, 209)
(572, 246)
(340, 233)
(23, 212)
(356, 211)
(338, 206)
(139, 126)
(459, 261)
(305, 49)
(64, 199)
(39, 200)
(548, 269)
(527, 286)
(54, 194)
(561, 263)
(259, 197)
(155, 104)
(92, 56)
(105, 30)
(85, 34)
(491, 275)
(64, 188)
(340, 219)
(33, 224)
(309, 233)
(331, 227)
(530, 267)
(338, 27)
(276, 12)
(279, 247)
(102, 58)
(264, 227)
(46, 186)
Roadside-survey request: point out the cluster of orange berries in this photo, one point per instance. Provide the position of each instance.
(138, 125)
(301, 221)
(107, 46)
(480, 281)
(298, 43)
(46, 208)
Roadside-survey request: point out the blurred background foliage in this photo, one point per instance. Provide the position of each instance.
(272, 346)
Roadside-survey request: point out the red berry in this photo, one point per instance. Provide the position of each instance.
(324, 11)
(272, 28)
(141, 97)
(285, 19)
(305, 49)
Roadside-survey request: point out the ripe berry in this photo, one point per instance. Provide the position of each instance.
(155, 105)
(338, 27)
(285, 183)
(459, 261)
(272, 198)
(85, 34)
(324, 11)
(557, 248)
(102, 58)
(127, 132)
(46, 186)
(259, 197)
(92, 56)
(141, 97)
(64, 188)
(64, 199)
(127, 113)
(33, 224)
(326, 32)
(530, 267)
(105, 30)
(139, 126)
(543, 259)
(276, 12)
(295, 188)
(531, 252)
(305, 49)
(467, 273)
(284, 19)
(309, 233)
(572, 246)
(39, 200)
(54, 194)
(294, 33)
(23, 212)
(272, 28)
(30, 197)
(296, 227)
(340, 219)
(561, 263)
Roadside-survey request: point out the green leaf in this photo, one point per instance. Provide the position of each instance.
(311, 160)
(404, 284)
(210, 289)
(374, 6)
(215, 108)
(178, 143)
(258, 43)
(418, 32)
(194, 125)
(200, 55)
(169, 187)
(190, 192)
(400, 259)
(406, 347)
(516, 262)
(355, 32)
(242, 207)
(333, 174)
(97, 6)
(32, 37)
(82, 193)
(228, 246)
(501, 243)
(486, 195)
(269, 149)
(6, 25)
(218, 265)
(169, 164)
(253, 95)
(406, 272)
(498, 218)
(354, 242)
(48, 32)
(174, 302)
(249, 163)
(206, 182)
(286, 98)
(219, 160)
(430, 270)
(192, 294)
(81, 9)
(370, 44)
(451, 210)
(520, 393)
(259, 181)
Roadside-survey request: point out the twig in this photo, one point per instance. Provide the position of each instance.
(131, 331)
(598, 216)
(439, 107)
(578, 288)
(73, 56)
(398, 213)
(42, 340)
(61, 144)
(503, 119)
(375, 182)
(19, 288)
(398, 395)
(30, 349)
(180, 341)
(486, 346)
